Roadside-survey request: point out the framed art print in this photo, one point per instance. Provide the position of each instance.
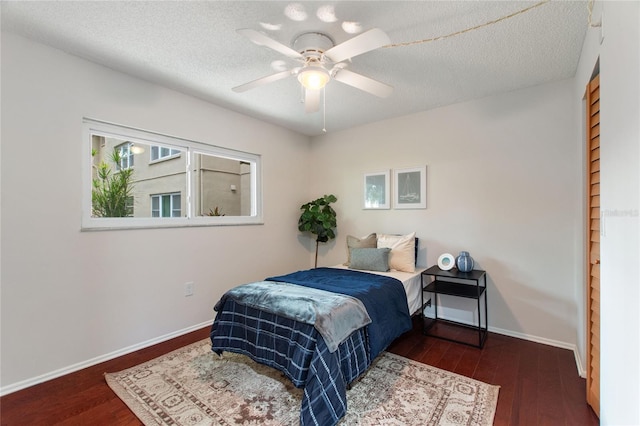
(376, 190)
(410, 188)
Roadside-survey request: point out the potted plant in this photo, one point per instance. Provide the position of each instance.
(319, 218)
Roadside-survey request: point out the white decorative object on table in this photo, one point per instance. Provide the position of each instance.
(446, 261)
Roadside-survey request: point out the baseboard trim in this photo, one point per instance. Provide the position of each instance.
(97, 360)
(582, 370)
(580, 367)
(536, 339)
(550, 342)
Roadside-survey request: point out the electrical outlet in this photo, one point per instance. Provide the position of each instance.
(189, 288)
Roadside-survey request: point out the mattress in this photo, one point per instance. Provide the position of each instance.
(411, 281)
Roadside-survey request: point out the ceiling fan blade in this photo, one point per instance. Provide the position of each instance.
(361, 82)
(365, 42)
(264, 80)
(311, 100)
(262, 40)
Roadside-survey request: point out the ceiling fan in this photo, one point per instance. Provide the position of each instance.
(321, 61)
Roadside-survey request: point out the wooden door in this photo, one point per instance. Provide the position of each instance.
(593, 243)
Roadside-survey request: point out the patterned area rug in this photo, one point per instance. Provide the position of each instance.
(193, 386)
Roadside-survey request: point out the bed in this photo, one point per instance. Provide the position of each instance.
(321, 327)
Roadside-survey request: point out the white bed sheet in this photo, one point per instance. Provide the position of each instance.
(410, 280)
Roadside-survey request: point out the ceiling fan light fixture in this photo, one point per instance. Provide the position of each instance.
(313, 78)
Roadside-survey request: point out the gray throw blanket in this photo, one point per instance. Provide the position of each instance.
(335, 316)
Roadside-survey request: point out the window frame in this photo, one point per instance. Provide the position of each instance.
(126, 154)
(190, 148)
(161, 157)
(171, 196)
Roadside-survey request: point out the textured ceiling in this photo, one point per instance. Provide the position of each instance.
(193, 47)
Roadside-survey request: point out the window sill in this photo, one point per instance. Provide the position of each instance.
(113, 224)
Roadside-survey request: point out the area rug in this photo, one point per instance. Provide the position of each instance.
(194, 386)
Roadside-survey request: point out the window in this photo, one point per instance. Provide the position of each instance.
(198, 185)
(165, 205)
(128, 204)
(126, 156)
(161, 152)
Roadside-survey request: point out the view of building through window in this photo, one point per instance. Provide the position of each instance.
(158, 183)
(133, 177)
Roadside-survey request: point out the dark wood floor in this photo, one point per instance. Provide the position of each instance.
(539, 384)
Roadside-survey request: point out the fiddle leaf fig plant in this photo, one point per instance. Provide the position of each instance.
(319, 218)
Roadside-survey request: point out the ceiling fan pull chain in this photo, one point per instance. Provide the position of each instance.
(324, 109)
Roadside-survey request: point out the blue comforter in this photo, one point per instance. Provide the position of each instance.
(299, 351)
(384, 297)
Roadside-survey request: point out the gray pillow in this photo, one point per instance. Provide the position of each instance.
(370, 259)
(370, 241)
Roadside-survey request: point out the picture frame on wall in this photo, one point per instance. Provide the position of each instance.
(377, 190)
(410, 188)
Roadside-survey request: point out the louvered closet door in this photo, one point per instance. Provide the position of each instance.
(593, 250)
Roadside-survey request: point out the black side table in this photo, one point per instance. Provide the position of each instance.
(435, 280)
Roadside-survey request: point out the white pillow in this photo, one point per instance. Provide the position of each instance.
(402, 256)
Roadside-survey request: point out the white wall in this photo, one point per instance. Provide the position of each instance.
(619, 55)
(503, 182)
(69, 297)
